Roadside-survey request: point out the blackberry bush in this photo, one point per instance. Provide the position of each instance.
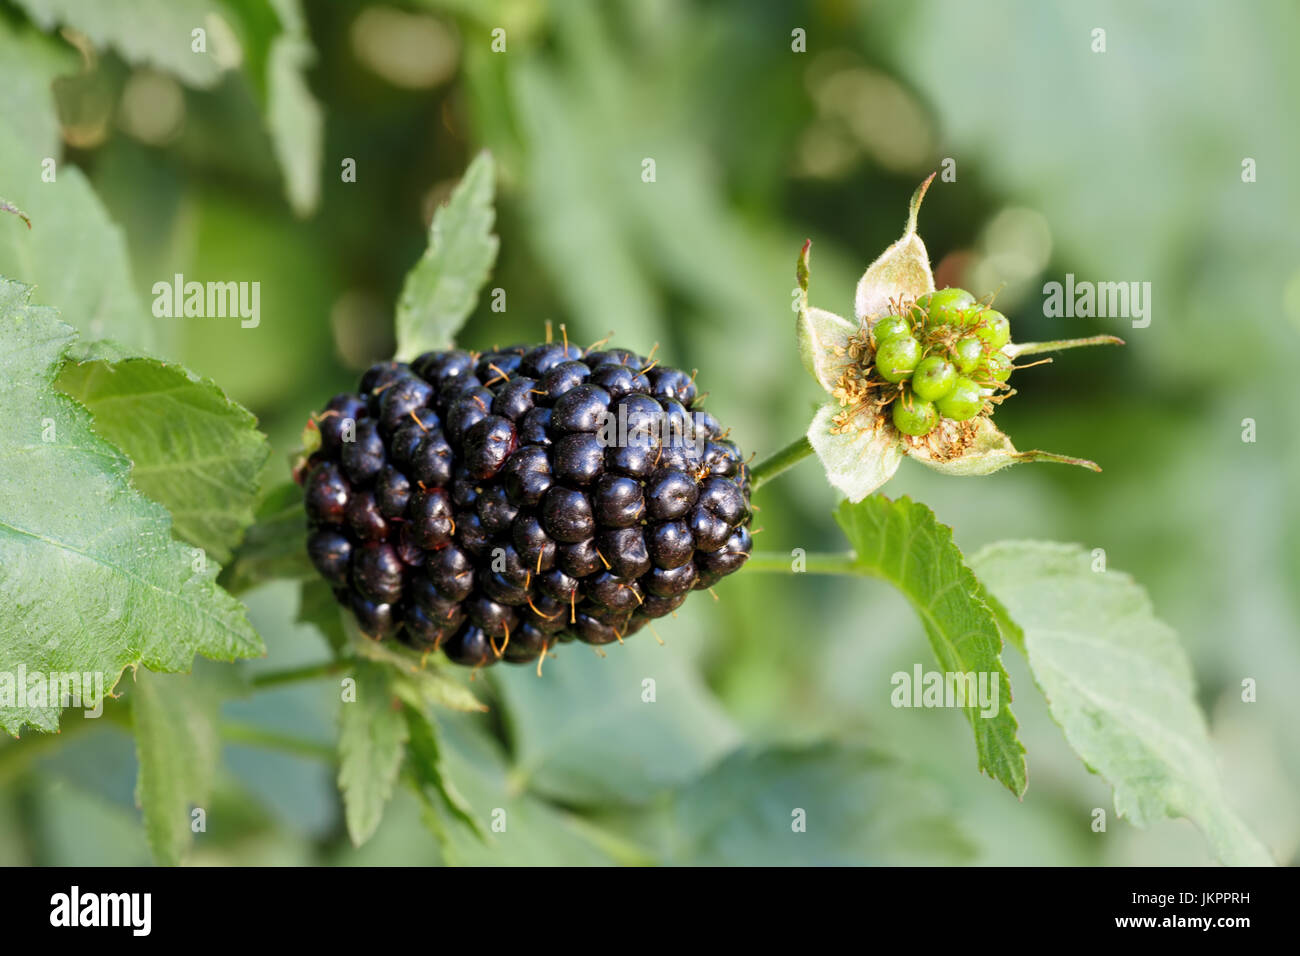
(494, 504)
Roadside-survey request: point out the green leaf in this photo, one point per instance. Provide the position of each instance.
(426, 673)
(855, 807)
(73, 254)
(320, 608)
(274, 546)
(857, 463)
(1119, 685)
(32, 61)
(194, 450)
(372, 742)
(178, 748)
(442, 289)
(902, 542)
(522, 829)
(427, 766)
(152, 32)
(584, 732)
(293, 115)
(901, 271)
(91, 579)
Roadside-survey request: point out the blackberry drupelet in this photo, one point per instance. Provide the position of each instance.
(493, 505)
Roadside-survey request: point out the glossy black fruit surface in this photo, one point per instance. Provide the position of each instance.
(493, 505)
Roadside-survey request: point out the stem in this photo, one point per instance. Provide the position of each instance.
(843, 562)
(235, 732)
(295, 675)
(914, 207)
(787, 457)
(1017, 349)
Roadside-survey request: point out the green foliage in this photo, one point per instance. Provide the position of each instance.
(428, 768)
(441, 290)
(32, 61)
(72, 254)
(192, 449)
(177, 748)
(293, 116)
(273, 547)
(153, 32)
(618, 729)
(902, 542)
(820, 805)
(90, 576)
(1119, 685)
(750, 160)
(372, 742)
(522, 829)
(319, 608)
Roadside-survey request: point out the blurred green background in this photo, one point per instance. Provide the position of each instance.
(1117, 166)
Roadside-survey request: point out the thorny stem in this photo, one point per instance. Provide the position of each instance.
(787, 457)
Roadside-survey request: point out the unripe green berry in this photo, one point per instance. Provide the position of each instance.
(914, 416)
(897, 357)
(963, 402)
(994, 329)
(967, 354)
(998, 367)
(945, 306)
(890, 327)
(934, 378)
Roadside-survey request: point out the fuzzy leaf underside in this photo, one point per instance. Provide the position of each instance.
(856, 463)
(193, 450)
(991, 451)
(902, 542)
(91, 579)
(1119, 685)
(820, 334)
(442, 289)
(901, 271)
(372, 743)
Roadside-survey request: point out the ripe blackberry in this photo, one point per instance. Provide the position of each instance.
(494, 505)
